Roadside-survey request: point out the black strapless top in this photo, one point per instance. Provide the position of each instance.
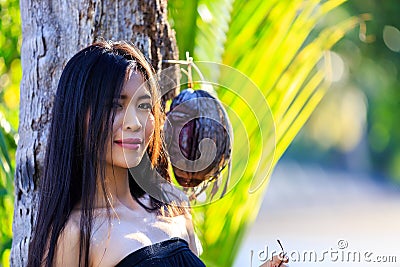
(174, 252)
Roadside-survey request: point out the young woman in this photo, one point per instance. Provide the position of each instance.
(106, 121)
(105, 140)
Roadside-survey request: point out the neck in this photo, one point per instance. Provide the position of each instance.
(117, 188)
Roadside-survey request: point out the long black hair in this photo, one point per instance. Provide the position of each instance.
(81, 124)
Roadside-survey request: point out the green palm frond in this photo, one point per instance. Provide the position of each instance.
(210, 40)
(184, 22)
(282, 48)
(6, 192)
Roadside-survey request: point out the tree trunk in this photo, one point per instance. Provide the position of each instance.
(52, 32)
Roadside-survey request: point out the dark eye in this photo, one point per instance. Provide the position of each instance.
(146, 106)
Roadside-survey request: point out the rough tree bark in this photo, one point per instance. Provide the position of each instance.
(54, 30)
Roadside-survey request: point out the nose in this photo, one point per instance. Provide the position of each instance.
(131, 120)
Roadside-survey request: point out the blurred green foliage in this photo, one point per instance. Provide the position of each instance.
(10, 76)
(356, 125)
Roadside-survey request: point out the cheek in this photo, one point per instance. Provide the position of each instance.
(118, 120)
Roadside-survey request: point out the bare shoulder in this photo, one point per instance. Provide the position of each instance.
(67, 252)
(72, 229)
(177, 197)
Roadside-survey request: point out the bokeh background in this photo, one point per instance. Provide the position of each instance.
(338, 180)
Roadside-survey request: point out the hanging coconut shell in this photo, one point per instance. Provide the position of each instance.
(198, 137)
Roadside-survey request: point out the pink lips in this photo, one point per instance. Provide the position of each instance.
(129, 143)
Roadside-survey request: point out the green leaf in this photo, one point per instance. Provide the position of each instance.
(183, 16)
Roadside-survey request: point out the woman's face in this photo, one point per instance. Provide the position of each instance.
(133, 125)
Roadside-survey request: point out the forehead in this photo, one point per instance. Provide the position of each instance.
(134, 85)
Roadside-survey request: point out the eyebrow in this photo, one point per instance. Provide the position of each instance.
(146, 96)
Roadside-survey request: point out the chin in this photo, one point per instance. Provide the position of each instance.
(132, 164)
(127, 162)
